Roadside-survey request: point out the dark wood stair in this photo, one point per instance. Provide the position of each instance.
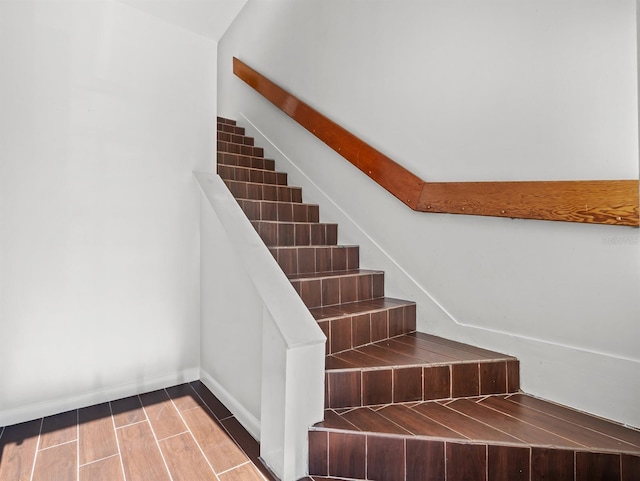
(403, 405)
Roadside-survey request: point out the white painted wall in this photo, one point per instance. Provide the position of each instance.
(105, 112)
(466, 90)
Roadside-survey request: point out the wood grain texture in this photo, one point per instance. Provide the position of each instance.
(58, 463)
(588, 201)
(18, 450)
(141, 457)
(385, 171)
(107, 469)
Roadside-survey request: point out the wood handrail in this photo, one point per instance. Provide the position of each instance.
(589, 201)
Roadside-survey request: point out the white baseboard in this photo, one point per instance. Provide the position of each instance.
(244, 417)
(109, 393)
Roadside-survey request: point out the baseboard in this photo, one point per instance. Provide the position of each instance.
(105, 394)
(244, 417)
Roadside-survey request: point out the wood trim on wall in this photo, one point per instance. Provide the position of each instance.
(589, 201)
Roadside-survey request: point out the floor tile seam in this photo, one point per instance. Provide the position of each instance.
(115, 434)
(455, 357)
(610, 435)
(117, 428)
(35, 454)
(173, 435)
(221, 473)
(573, 448)
(40, 450)
(195, 440)
(101, 459)
(536, 426)
(586, 428)
(391, 338)
(153, 433)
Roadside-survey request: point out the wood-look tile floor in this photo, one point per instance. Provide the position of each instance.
(182, 433)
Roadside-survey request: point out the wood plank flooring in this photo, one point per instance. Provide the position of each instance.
(182, 433)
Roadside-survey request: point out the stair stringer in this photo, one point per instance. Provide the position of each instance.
(289, 343)
(548, 368)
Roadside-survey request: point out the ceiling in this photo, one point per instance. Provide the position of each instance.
(209, 18)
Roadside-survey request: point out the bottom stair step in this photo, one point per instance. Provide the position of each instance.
(493, 438)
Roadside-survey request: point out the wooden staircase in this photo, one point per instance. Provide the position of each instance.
(403, 405)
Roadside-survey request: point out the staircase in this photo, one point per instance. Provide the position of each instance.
(403, 405)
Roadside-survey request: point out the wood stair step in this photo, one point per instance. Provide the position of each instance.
(331, 288)
(269, 210)
(356, 324)
(296, 233)
(247, 174)
(234, 148)
(415, 367)
(296, 260)
(242, 160)
(257, 191)
(232, 129)
(234, 138)
(223, 120)
(485, 438)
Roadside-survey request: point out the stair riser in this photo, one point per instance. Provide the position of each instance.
(242, 174)
(240, 149)
(356, 455)
(235, 138)
(279, 211)
(422, 383)
(231, 129)
(240, 160)
(276, 193)
(299, 234)
(309, 260)
(350, 332)
(339, 290)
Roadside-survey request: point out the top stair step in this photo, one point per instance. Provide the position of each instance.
(222, 120)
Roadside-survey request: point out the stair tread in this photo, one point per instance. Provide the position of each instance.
(322, 275)
(290, 221)
(339, 310)
(243, 167)
(485, 420)
(412, 349)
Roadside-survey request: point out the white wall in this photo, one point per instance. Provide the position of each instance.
(464, 90)
(105, 112)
